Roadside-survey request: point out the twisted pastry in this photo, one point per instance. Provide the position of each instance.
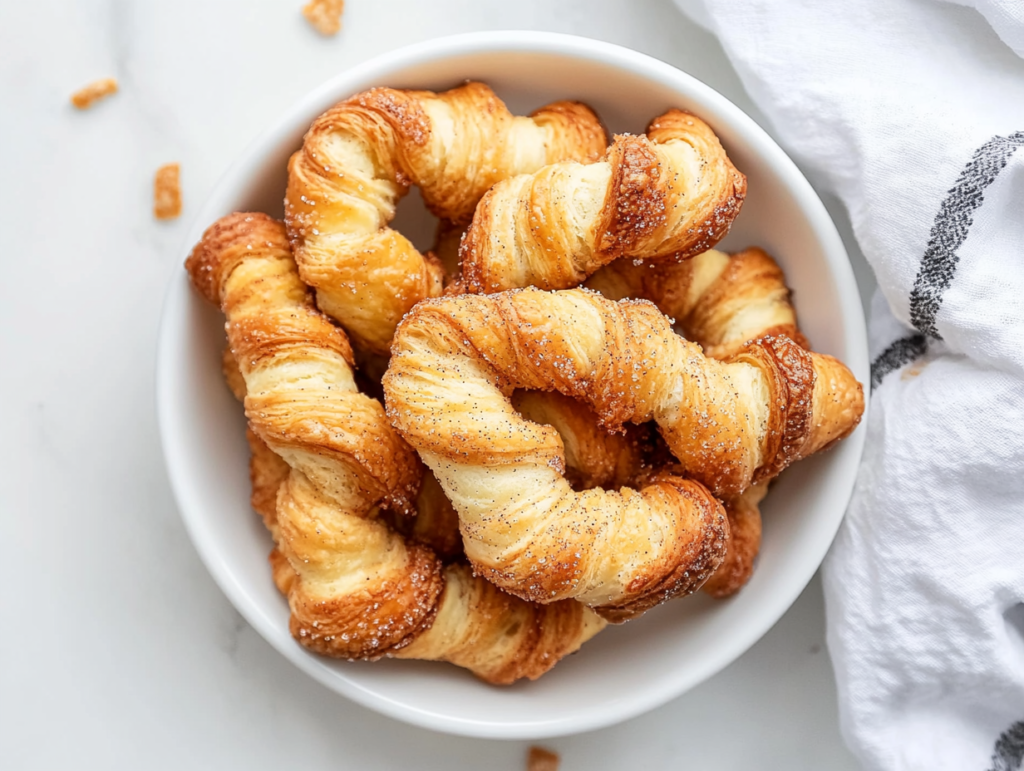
(436, 523)
(359, 158)
(455, 360)
(720, 302)
(594, 457)
(672, 193)
(524, 528)
(358, 589)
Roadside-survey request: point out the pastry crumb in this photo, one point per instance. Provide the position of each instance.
(541, 759)
(324, 15)
(84, 98)
(167, 192)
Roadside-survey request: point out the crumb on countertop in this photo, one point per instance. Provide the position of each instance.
(84, 98)
(541, 759)
(324, 15)
(167, 192)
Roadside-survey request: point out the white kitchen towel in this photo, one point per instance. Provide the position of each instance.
(912, 113)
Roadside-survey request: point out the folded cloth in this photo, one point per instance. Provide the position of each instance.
(912, 113)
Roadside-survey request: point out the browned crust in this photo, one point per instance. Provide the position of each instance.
(446, 248)
(373, 622)
(839, 404)
(635, 202)
(282, 324)
(580, 128)
(473, 269)
(790, 372)
(267, 472)
(533, 637)
(750, 277)
(524, 342)
(229, 241)
(436, 523)
(697, 553)
(281, 571)
(719, 212)
(634, 359)
(595, 457)
(669, 195)
(232, 375)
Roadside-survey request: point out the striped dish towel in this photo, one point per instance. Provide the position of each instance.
(912, 113)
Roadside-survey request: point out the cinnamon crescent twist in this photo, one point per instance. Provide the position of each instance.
(720, 301)
(356, 588)
(360, 157)
(670, 194)
(456, 360)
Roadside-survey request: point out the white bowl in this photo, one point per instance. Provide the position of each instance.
(625, 670)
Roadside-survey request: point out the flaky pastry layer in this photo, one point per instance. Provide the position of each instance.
(360, 157)
(670, 194)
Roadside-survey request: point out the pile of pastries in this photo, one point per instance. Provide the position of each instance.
(563, 415)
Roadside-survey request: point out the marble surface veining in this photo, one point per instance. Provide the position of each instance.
(116, 648)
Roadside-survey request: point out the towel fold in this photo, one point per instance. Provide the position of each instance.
(912, 113)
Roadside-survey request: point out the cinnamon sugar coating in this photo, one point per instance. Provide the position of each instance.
(668, 195)
(456, 361)
(722, 302)
(360, 157)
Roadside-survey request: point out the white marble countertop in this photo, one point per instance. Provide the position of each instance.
(117, 650)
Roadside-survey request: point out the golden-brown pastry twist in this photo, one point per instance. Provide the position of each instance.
(455, 361)
(722, 302)
(719, 301)
(670, 194)
(360, 157)
(436, 523)
(728, 423)
(267, 472)
(359, 590)
(523, 526)
(594, 457)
